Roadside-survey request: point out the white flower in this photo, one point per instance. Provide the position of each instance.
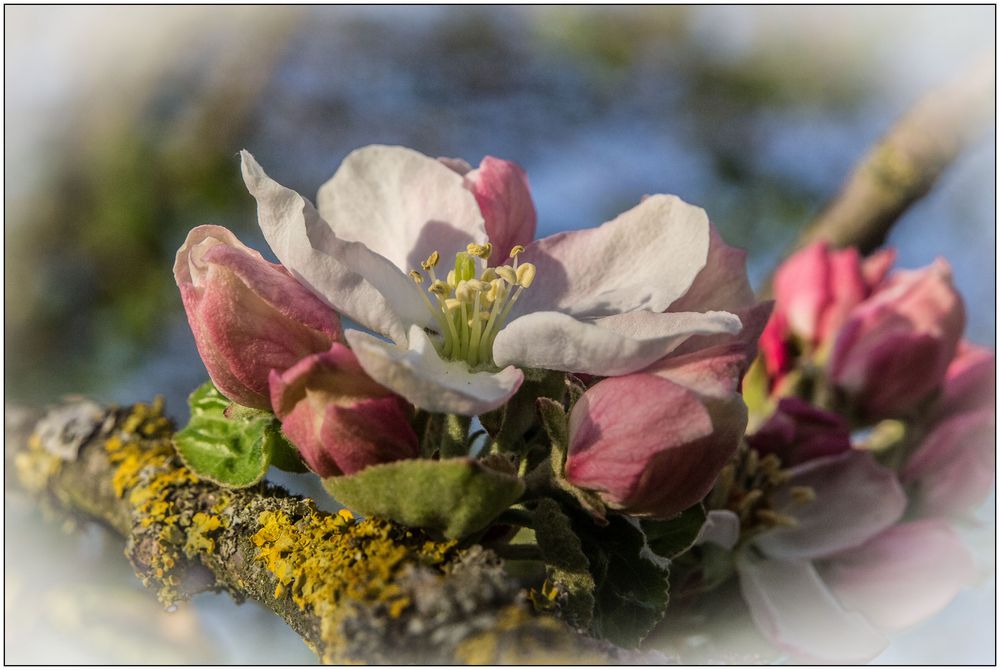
(590, 301)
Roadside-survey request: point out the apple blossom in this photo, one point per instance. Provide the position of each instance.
(378, 249)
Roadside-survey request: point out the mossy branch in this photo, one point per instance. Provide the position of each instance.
(355, 590)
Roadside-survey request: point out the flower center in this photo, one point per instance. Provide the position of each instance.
(473, 302)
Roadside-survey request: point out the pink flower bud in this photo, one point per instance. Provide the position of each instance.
(653, 443)
(799, 432)
(248, 316)
(895, 348)
(815, 290)
(338, 417)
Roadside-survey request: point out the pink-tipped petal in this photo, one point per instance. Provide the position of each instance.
(645, 259)
(954, 467)
(614, 345)
(401, 204)
(856, 499)
(722, 284)
(796, 611)
(501, 190)
(903, 575)
(346, 275)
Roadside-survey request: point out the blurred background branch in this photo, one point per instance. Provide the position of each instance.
(903, 166)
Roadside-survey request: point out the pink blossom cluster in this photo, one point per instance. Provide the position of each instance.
(886, 416)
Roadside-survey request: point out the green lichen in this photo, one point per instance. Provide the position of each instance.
(324, 561)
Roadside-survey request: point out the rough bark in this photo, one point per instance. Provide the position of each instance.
(355, 590)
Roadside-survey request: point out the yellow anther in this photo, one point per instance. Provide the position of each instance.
(496, 290)
(416, 277)
(452, 303)
(515, 250)
(526, 274)
(480, 250)
(452, 279)
(802, 494)
(478, 285)
(489, 274)
(439, 288)
(464, 292)
(507, 273)
(431, 261)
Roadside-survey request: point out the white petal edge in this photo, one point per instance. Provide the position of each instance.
(348, 276)
(646, 258)
(610, 346)
(402, 205)
(856, 499)
(430, 383)
(721, 528)
(793, 608)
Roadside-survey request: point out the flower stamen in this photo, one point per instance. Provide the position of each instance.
(473, 306)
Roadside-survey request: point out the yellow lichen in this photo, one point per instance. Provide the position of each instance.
(322, 561)
(148, 476)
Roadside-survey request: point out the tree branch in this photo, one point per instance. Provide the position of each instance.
(906, 162)
(355, 590)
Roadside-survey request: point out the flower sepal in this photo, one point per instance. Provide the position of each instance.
(455, 497)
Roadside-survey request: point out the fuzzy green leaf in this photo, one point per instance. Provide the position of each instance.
(672, 537)
(456, 496)
(286, 457)
(567, 566)
(632, 589)
(520, 413)
(233, 452)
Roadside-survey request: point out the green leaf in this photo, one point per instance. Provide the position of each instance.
(556, 423)
(520, 413)
(632, 589)
(672, 537)
(456, 496)
(233, 452)
(567, 566)
(286, 457)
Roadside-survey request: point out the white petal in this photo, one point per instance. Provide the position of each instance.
(423, 378)
(615, 345)
(346, 275)
(903, 575)
(793, 608)
(721, 528)
(646, 258)
(402, 205)
(856, 499)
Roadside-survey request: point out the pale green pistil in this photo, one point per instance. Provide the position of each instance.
(473, 305)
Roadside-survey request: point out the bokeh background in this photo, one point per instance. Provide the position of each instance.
(122, 126)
